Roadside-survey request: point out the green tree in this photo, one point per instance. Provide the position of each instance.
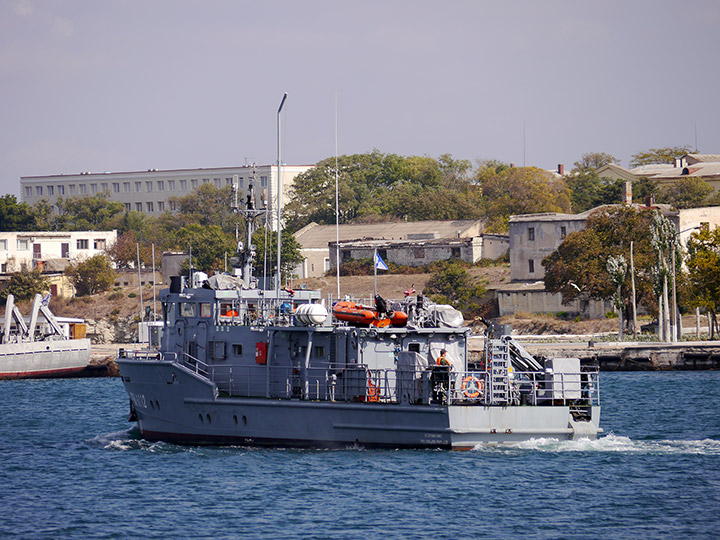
(658, 155)
(593, 161)
(452, 284)
(16, 216)
(289, 248)
(588, 190)
(703, 266)
(521, 190)
(686, 192)
(88, 213)
(92, 275)
(25, 284)
(579, 265)
(207, 205)
(209, 245)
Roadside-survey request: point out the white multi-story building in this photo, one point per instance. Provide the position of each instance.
(50, 251)
(150, 191)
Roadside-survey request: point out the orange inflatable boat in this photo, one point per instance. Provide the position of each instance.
(359, 315)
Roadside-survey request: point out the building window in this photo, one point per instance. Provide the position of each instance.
(116, 187)
(241, 181)
(3, 268)
(228, 181)
(148, 187)
(217, 182)
(51, 190)
(263, 181)
(83, 189)
(71, 187)
(531, 266)
(83, 243)
(206, 180)
(419, 253)
(563, 232)
(345, 255)
(126, 187)
(93, 189)
(172, 206)
(183, 185)
(65, 250)
(455, 252)
(38, 191)
(161, 206)
(171, 186)
(3, 245)
(22, 245)
(99, 243)
(138, 187)
(138, 206)
(194, 183)
(104, 187)
(161, 185)
(37, 252)
(531, 234)
(127, 207)
(28, 191)
(61, 190)
(149, 206)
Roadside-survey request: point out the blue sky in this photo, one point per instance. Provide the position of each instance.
(98, 86)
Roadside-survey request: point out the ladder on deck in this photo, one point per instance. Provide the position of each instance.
(498, 362)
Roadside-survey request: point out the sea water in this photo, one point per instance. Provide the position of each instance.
(71, 466)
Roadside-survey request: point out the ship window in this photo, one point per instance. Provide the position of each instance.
(237, 349)
(205, 309)
(414, 347)
(319, 351)
(187, 309)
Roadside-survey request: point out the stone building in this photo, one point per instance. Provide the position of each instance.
(408, 243)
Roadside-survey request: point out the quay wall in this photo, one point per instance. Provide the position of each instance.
(626, 356)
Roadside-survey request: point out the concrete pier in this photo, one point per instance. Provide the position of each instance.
(625, 356)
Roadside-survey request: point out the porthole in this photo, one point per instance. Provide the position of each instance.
(244, 419)
(201, 417)
(209, 420)
(235, 418)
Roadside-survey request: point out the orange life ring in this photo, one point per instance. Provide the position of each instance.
(472, 387)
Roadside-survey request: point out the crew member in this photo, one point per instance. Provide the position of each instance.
(442, 359)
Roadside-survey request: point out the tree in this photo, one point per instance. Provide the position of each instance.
(16, 216)
(521, 190)
(88, 213)
(25, 284)
(92, 275)
(451, 284)
(659, 155)
(588, 190)
(289, 248)
(376, 186)
(593, 161)
(207, 205)
(579, 265)
(686, 192)
(703, 266)
(209, 245)
(124, 251)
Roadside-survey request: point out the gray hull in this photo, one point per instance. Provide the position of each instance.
(172, 403)
(40, 359)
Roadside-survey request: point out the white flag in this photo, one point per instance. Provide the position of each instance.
(379, 263)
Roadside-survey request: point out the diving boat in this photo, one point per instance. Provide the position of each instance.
(41, 348)
(243, 364)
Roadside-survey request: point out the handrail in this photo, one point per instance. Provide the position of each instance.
(358, 383)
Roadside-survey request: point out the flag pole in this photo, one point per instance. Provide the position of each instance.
(375, 273)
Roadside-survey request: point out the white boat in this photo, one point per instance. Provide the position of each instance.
(41, 347)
